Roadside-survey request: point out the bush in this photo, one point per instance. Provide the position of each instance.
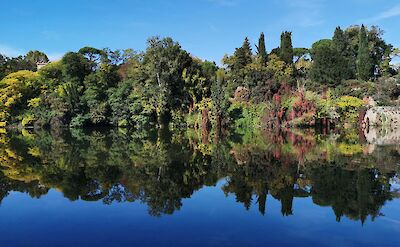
(246, 115)
(79, 121)
(28, 120)
(348, 108)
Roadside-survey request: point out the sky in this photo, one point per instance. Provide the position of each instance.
(208, 29)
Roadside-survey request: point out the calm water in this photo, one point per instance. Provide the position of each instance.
(121, 188)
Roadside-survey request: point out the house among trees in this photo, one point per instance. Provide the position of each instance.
(41, 64)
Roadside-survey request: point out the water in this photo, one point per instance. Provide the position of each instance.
(125, 188)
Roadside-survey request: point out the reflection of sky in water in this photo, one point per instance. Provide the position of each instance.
(395, 184)
(209, 218)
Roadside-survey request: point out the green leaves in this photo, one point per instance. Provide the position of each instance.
(364, 63)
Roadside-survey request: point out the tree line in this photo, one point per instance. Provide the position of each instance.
(167, 86)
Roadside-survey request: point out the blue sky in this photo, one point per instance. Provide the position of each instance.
(206, 28)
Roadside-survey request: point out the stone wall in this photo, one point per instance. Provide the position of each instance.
(382, 117)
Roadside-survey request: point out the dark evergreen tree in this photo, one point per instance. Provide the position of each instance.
(243, 55)
(341, 44)
(327, 68)
(286, 49)
(364, 63)
(339, 40)
(261, 50)
(218, 98)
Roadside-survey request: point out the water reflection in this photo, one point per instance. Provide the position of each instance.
(160, 169)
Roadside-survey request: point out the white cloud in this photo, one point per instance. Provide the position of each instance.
(389, 13)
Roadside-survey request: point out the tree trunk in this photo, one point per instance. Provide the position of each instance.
(205, 125)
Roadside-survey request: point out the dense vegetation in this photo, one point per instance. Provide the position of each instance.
(166, 86)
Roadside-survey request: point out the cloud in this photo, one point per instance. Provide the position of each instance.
(389, 13)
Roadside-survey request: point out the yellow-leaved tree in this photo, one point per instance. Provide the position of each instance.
(16, 90)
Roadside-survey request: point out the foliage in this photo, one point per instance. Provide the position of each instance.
(364, 65)
(262, 50)
(328, 64)
(167, 86)
(348, 108)
(280, 70)
(16, 90)
(286, 48)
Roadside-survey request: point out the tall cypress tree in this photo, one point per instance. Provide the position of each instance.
(286, 49)
(261, 50)
(342, 45)
(339, 41)
(364, 63)
(243, 55)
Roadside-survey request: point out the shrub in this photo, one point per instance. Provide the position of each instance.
(348, 108)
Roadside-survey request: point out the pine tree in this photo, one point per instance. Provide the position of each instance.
(243, 55)
(286, 49)
(261, 50)
(364, 64)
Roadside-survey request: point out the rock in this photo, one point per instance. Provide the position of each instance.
(242, 94)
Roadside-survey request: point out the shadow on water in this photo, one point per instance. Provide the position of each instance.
(343, 171)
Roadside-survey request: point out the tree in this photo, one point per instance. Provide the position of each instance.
(341, 43)
(379, 50)
(95, 94)
(299, 53)
(36, 57)
(281, 71)
(15, 91)
(364, 63)
(75, 66)
(328, 64)
(3, 68)
(165, 62)
(219, 100)
(243, 55)
(261, 49)
(93, 55)
(198, 79)
(286, 48)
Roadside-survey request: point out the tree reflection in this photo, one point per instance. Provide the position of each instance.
(161, 169)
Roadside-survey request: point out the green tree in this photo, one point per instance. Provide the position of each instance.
(219, 98)
(327, 64)
(341, 43)
(75, 67)
(3, 68)
(243, 55)
(261, 49)
(93, 55)
(364, 63)
(165, 62)
(36, 57)
(286, 48)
